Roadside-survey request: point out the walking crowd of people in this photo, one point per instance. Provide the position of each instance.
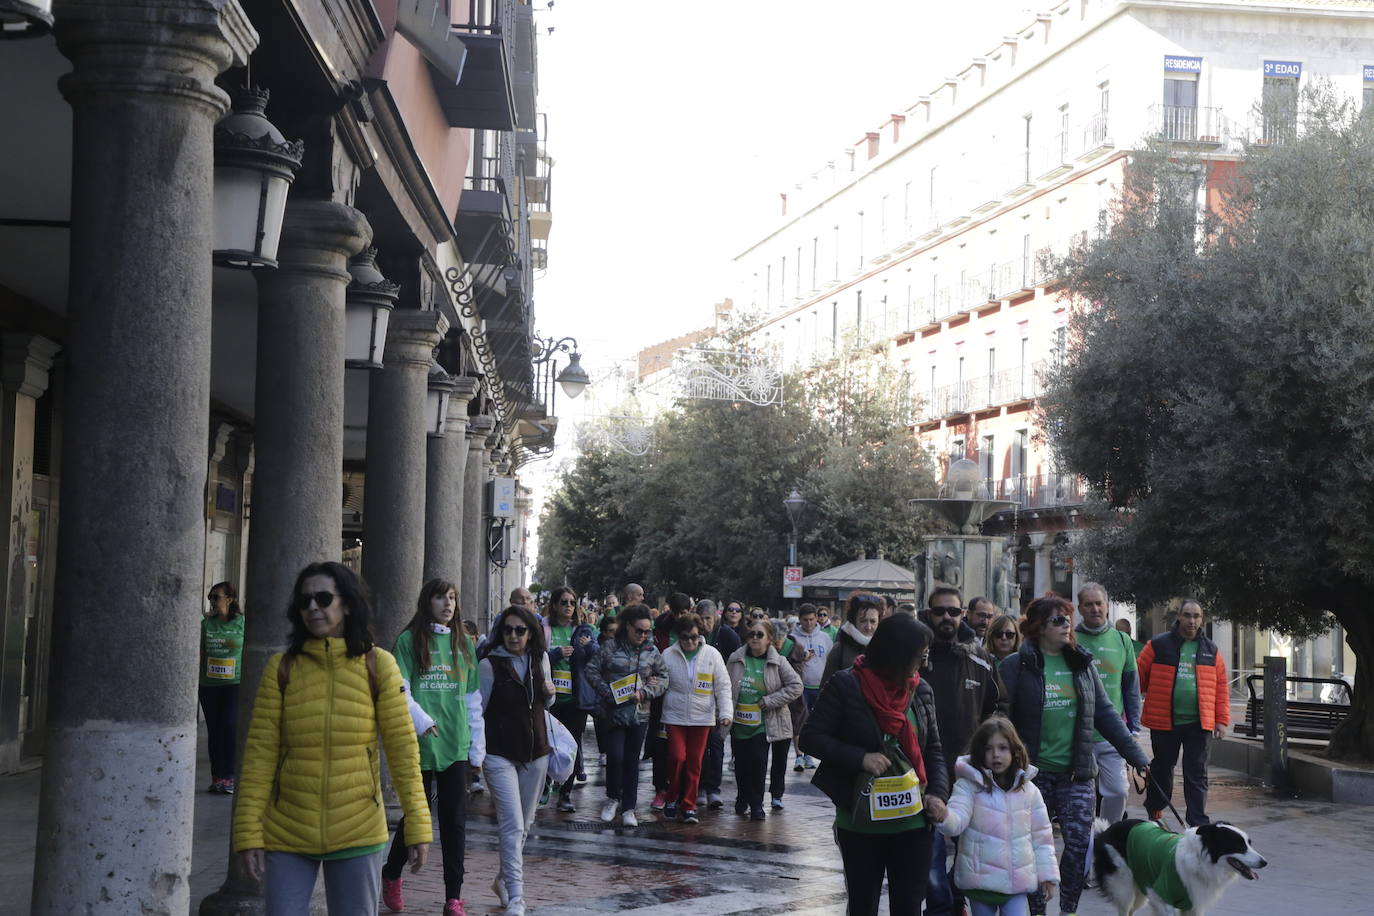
(951, 730)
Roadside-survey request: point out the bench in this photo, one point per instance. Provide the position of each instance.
(1311, 719)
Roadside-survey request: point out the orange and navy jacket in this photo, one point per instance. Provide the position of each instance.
(1157, 665)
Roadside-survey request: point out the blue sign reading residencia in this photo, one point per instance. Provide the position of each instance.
(1175, 64)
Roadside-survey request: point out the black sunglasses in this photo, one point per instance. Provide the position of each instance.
(518, 629)
(1058, 620)
(642, 631)
(942, 611)
(757, 634)
(1005, 634)
(321, 599)
(567, 600)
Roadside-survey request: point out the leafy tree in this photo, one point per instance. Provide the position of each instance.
(1219, 393)
(703, 512)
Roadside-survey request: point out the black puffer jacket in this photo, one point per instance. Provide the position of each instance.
(842, 728)
(1023, 675)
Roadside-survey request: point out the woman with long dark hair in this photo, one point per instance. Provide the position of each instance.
(571, 644)
(311, 792)
(1058, 705)
(878, 718)
(221, 657)
(626, 675)
(517, 686)
(439, 663)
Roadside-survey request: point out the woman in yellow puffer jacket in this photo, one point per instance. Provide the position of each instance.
(310, 791)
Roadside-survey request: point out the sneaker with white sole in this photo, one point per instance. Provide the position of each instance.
(777, 804)
(628, 819)
(713, 800)
(609, 809)
(657, 803)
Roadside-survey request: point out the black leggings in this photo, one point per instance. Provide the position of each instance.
(451, 787)
(575, 721)
(777, 778)
(221, 708)
(903, 857)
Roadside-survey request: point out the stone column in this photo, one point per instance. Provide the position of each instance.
(116, 807)
(27, 359)
(473, 584)
(394, 491)
(447, 457)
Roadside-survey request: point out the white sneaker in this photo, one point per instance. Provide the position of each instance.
(515, 907)
(628, 819)
(609, 809)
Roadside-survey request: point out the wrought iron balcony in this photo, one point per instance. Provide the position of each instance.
(1009, 386)
(484, 97)
(1040, 491)
(1191, 125)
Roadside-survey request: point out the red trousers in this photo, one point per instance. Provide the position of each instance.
(686, 744)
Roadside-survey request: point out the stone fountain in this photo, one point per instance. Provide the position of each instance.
(966, 560)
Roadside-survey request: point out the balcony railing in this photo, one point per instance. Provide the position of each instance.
(1008, 386)
(1041, 491)
(1191, 124)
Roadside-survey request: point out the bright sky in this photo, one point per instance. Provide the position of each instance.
(674, 127)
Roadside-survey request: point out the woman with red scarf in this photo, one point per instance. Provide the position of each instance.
(882, 703)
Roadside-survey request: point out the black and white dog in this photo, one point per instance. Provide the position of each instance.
(1139, 861)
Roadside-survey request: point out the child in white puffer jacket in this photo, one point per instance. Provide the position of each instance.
(1007, 846)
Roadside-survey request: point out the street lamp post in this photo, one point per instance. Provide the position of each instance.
(794, 504)
(573, 379)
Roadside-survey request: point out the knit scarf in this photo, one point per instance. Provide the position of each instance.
(889, 703)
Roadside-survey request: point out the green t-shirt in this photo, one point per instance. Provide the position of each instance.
(832, 631)
(562, 669)
(441, 690)
(1185, 685)
(1112, 657)
(788, 645)
(751, 691)
(221, 651)
(844, 819)
(992, 898)
(1058, 717)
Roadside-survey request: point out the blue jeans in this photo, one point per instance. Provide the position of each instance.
(1016, 906)
(941, 895)
(351, 886)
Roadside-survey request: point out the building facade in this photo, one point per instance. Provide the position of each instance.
(925, 240)
(173, 420)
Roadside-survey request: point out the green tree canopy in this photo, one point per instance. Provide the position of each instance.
(1218, 394)
(703, 511)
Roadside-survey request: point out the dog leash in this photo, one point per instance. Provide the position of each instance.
(1140, 790)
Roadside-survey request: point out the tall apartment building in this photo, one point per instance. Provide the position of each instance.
(922, 239)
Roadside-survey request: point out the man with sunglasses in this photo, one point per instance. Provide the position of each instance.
(967, 690)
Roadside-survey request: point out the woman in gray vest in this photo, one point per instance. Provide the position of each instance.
(516, 687)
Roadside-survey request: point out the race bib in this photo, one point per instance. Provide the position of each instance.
(663, 733)
(622, 691)
(893, 798)
(705, 684)
(748, 714)
(220, 668)
(562, 683)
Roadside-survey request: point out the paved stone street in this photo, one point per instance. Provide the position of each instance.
(727, 865)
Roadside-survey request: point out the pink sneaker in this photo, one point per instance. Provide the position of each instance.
(657, 803)
(391, 895)
(454, 908)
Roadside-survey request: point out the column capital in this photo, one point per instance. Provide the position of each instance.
(465, 388)
(171, 48)
(319, 236)
(411, 337)
(27, 359)
(478, 429)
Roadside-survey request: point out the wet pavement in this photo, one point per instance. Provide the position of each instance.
(730, 865)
